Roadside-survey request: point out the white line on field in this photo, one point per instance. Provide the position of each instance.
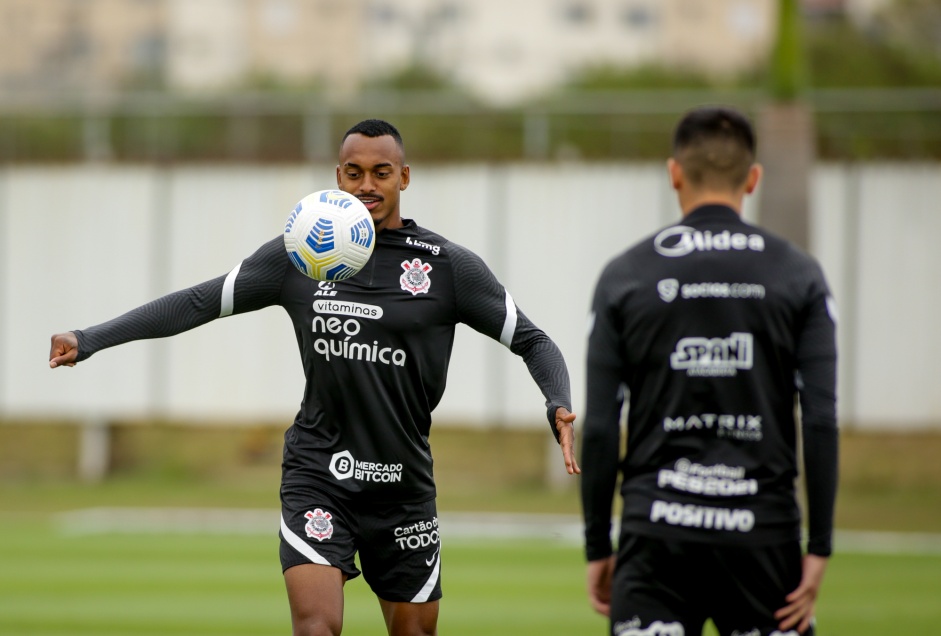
(454, 525)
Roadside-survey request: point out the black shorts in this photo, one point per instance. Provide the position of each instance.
(398, 544)
(670, 588)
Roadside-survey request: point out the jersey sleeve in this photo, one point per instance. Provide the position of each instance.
(486, 306)
(601, 430)
(252, 284)
(816, 381)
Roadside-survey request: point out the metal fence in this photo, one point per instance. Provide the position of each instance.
(295, 127)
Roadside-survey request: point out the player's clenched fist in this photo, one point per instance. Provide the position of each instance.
(64, 350)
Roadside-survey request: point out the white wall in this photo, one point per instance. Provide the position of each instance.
(81, 244)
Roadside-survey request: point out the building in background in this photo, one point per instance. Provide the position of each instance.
(502, 52)
(77, 44)
(220, 44)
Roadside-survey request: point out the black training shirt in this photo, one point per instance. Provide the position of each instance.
(712, 327)
(375, 351)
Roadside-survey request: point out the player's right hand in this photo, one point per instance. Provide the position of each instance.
(64, 350)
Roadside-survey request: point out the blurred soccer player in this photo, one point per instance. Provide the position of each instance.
(712, 327)
(357, 469)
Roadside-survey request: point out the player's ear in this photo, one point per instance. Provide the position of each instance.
(754, 176)
(405, 177)
(675, 171)
(338, 176)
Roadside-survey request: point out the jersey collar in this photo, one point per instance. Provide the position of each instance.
(712, 212)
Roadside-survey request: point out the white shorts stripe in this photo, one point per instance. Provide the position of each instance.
(301, 546)
(509, 326)
(228, 292)
(429, 586)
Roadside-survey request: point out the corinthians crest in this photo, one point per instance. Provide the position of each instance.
(415, 279)
(318, 524)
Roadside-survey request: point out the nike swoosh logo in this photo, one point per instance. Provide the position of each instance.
(434, 556)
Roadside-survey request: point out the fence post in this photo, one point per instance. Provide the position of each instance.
(96, 137)
(94, 450)
(317, 135)
(536, 135)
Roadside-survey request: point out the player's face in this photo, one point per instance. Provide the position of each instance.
(373, 170)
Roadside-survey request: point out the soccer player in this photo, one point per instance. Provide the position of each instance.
(712, 327)
(357, 468)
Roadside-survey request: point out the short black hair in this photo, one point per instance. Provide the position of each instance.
(375, 128)
(715, 145)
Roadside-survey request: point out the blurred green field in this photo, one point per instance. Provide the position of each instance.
(888, 481)
(55, 582)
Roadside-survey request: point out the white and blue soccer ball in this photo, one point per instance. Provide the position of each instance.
(329, 235)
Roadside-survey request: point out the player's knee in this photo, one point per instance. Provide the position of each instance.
(414, 630)
(413, 624)
(316, 626)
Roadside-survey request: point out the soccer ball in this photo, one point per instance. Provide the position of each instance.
(329, 235)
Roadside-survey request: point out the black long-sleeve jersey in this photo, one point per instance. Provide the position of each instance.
(713, 327)
(375, 351)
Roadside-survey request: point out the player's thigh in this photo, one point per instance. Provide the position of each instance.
(315, 596)
(400, 551)
(410, 619)
(752, 584)
(656, 589)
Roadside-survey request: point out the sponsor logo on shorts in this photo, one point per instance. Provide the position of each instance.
(415, 279)
(681, 240)
(738, 427)
(656, 628)
(418, 535)
(318, 524)
(717, 480)
(343, 466)
(714, 357)
(706, 517)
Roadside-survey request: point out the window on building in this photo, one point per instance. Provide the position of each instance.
(578, 13)
(638, 16)
(448, 12)
(383, 13)
(148, 52)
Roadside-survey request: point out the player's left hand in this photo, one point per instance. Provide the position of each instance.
(600, 573)
(799, 611)
(564, 424)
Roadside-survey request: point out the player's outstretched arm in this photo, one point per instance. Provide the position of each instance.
(564, 424)
(64, 350)
(485, 305)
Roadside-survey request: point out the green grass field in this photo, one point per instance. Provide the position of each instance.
(56, 582)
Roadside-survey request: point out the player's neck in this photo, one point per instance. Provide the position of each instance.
(689, 201)
(391, 222)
